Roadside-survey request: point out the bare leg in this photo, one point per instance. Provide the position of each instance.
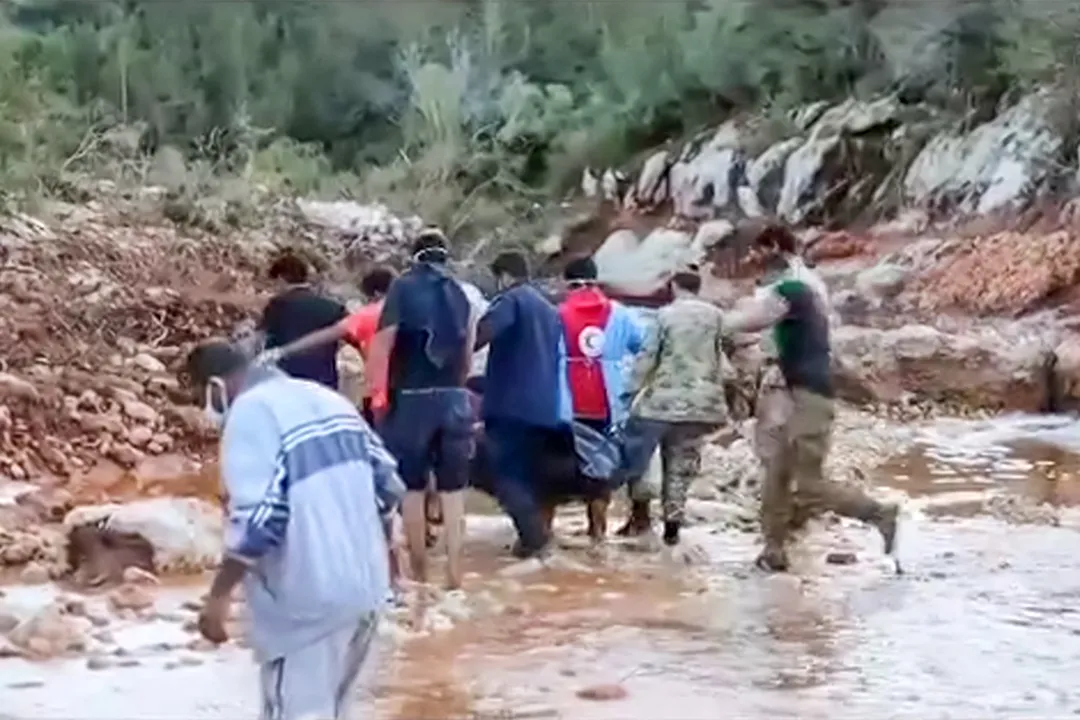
(433, 512)
(547, 517)
(415, 520)
(453, 512)
(597, 512)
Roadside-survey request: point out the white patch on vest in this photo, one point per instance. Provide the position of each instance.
(591, 342)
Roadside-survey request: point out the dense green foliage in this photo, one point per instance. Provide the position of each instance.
(461, 108)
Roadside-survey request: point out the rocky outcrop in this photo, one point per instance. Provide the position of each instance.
(157, 535)
(920, 362)
(1000, 165)
(855, 160)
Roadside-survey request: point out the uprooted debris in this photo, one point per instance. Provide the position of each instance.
(1006, 273)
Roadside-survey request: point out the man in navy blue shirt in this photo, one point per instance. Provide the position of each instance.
(523, 401)
(424, 345)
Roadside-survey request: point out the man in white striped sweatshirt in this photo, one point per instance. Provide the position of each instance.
(312, 493)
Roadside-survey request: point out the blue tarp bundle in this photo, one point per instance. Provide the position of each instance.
(616, 456)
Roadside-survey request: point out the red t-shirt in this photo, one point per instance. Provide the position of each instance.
(360, 329)
(585, 314)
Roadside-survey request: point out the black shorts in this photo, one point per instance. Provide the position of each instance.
(431, 431)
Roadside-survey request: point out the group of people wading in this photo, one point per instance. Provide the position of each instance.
(531, 401)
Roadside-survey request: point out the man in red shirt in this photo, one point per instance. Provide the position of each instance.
(600, 335)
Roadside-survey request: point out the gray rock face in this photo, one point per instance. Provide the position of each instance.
(999, 165)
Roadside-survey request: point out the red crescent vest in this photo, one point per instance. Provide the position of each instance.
(585, 314)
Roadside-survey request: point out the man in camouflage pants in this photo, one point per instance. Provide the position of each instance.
(795, 407)
(680, 374)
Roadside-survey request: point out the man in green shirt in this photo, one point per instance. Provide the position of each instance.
(795, 310)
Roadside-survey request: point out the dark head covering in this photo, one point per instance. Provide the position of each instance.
(214, 358)
(446, 325)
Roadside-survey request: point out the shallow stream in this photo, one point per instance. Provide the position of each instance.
(985, 622)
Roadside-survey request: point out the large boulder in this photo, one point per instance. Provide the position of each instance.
(641, 267)
(705, 179)
(1067, 374)
(970, 371)
(157, 534)
(997, 166)
(841, 163)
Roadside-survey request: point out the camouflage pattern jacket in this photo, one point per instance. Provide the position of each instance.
(681, 372)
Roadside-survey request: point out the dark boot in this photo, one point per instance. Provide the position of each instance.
(886, 522)
(639, 522)
(524, 552)
(772, 560)
(671, 532)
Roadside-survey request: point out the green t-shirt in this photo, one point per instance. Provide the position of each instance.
(802, 338)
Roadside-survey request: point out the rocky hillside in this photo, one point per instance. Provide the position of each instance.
(966, 296)
(845, 165)
(99, 307)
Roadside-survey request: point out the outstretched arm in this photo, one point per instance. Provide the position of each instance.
(377, 363)
(500, 316)
(646, 361)
(757, 313)
(324, 336)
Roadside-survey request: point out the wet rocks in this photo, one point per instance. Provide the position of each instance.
(1067, 374)
(13, 387)
(34, 574)
(99, 555)
(49, 632)
(8, 620)
(148, 363)
(156, 535)
(140, 412)
(131, 597)
(138, 576)
(605, 692)
(40, 544)
(47, 504)
(99, 663)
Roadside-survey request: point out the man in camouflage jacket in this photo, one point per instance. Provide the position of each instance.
(680, 379)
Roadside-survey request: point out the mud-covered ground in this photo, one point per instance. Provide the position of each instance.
(981, 623)
(99, 307)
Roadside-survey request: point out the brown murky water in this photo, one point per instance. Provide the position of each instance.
(1036, 457)
(984, 623)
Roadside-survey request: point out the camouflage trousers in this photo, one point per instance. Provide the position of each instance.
(680, 445)
(792, 438)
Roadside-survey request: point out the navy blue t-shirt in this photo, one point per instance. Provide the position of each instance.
(291, 315)
(522, 381)
(422, 303)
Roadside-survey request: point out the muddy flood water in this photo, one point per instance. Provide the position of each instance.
(984, 622)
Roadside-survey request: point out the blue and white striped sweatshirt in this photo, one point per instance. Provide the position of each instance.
(307, 481)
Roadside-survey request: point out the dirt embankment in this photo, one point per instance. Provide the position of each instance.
(96, 315)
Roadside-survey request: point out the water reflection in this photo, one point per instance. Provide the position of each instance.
(1037, 457)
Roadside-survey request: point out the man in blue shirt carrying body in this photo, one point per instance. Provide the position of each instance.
(424, 342)
(526, 397)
